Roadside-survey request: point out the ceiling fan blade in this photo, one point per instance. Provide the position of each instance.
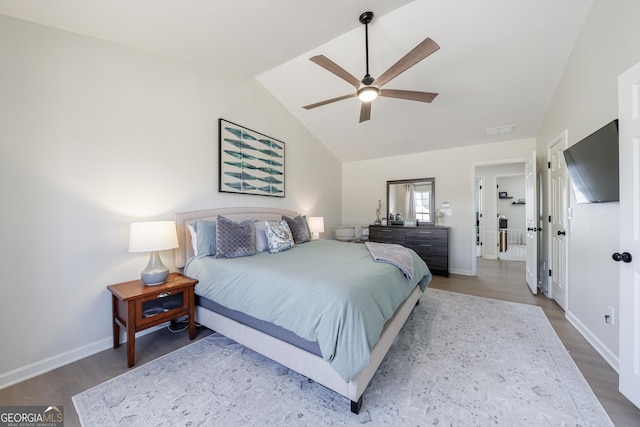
(417, 54)
(365, 112)
(328, 101)
(334, 68)
(408, 94)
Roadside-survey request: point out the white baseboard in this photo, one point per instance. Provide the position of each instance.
(610, 357)
(461, 272)
(31, 370)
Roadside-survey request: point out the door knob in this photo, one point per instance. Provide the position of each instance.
(562, 233)
(624, 257)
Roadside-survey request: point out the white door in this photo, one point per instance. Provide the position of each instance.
(531, 261)
(558, 224)
(479, 215)
(629, 122)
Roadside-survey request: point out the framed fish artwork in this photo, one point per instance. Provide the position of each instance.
(250, 162)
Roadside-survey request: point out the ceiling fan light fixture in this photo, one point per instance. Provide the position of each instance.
(368, 93)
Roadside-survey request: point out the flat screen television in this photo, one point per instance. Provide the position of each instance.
(593, 166)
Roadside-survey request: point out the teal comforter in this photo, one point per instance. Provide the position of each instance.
(324, 290)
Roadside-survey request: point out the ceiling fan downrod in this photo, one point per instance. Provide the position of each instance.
(365, 19)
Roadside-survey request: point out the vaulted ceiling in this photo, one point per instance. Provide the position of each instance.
(498, 64)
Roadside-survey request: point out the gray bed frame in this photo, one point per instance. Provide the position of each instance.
(301, 361)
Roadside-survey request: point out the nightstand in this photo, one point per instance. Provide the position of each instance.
(136, 307)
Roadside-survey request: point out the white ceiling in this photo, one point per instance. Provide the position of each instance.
(499, 61)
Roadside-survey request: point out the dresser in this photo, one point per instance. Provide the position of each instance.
(430, 243)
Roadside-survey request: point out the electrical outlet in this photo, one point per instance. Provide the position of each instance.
(610, 317)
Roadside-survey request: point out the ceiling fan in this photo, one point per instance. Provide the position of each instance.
(370, 88)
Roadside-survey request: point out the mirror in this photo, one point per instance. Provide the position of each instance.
(411, 200)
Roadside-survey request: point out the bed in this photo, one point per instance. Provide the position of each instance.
(345, 366)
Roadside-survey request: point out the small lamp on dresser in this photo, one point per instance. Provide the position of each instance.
(153, 236)
(316, 226)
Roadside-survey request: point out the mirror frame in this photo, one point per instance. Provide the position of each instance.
(432, 199)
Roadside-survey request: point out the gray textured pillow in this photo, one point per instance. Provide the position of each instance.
(235, 239)
(299, 228)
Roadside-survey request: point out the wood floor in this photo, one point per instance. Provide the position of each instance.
(502, 280)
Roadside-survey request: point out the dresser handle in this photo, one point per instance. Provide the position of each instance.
(163, 294)
(386, 231)
(425, 232)
(426, 246)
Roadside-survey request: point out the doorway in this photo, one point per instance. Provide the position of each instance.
(511, 217)
(487, 206)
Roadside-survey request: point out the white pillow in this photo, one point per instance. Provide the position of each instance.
(261, 237)
(194, 238)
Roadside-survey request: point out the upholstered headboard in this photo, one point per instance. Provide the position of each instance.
(185, 250)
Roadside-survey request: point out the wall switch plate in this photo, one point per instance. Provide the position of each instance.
(610, 317)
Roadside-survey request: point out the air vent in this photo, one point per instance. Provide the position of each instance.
(500, 130)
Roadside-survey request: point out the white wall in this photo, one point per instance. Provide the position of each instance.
(586, 99)
(364, 182)
(94, 135)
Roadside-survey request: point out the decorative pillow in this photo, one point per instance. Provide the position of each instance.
(262, 243)
(278, 237)
(205, 237)
(299, 228)
(235, 239)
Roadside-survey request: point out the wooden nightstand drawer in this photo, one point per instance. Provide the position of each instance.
(156, 309)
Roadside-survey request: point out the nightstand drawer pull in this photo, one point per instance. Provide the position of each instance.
(386, 231)
(163, 294)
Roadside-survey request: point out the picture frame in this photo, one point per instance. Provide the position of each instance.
(502, 195)
(249, 162)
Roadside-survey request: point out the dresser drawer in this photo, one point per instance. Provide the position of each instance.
(430, 243)
(387, 235)
(428, 248)
(437, 264)
(418, 234)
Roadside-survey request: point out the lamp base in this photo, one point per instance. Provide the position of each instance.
(155, 273)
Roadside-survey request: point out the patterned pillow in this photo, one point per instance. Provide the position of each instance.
(235, 239)
(299, 228)
(278, 236)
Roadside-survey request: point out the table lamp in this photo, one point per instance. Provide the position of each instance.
(316, 226)
(153, 236)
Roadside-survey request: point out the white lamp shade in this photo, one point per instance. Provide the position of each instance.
(316, 224)
(152, 236)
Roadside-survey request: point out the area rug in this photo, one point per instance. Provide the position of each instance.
(458, 361)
